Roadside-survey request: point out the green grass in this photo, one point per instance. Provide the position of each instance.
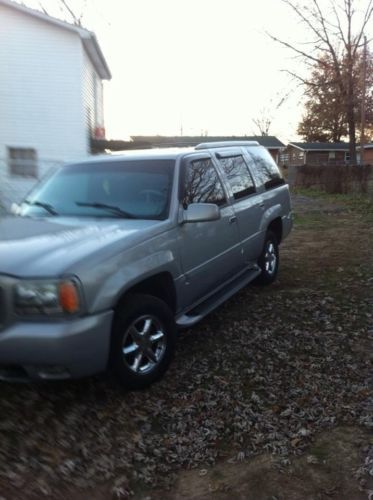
(311, 220)
(361, 204)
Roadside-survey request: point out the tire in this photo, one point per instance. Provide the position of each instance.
(143, 341)
(268, 261)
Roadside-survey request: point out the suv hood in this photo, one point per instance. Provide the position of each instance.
(49, 247)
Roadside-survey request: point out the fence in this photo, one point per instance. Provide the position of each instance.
(333, 178)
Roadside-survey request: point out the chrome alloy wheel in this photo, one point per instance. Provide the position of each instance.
(144, 344)
(270, 258)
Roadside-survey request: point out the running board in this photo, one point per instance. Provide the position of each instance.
(201, 310)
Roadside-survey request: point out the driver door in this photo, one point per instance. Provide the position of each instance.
(210, 251)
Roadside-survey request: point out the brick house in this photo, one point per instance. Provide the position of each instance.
(51, 96)
(368, 153)
(315, 153)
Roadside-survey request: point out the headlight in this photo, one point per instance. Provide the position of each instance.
(47, 297)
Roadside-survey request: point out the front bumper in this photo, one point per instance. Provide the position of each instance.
(55, 350)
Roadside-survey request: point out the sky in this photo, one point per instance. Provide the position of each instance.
(194, 67)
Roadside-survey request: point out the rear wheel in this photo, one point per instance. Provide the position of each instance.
(143, 341)
(269, 260)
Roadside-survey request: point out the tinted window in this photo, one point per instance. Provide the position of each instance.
(140, 188)
(202, 184)
(264, 169)
(238, 175)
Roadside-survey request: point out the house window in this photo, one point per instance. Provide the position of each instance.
(23, 162)
(347, 157)
(331, 155)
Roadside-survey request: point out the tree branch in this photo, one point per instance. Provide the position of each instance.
(300, 52)
(43, 9)
(304, 19)
(339, 25)
(71, 12)
(367, 16)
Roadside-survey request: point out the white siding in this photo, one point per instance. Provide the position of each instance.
(41, 96)
(92, 95)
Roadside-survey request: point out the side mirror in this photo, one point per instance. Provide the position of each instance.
(201, 212)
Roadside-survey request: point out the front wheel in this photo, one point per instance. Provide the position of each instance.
(269, 260)
(143, 341)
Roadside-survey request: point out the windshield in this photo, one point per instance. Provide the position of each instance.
(136, 189)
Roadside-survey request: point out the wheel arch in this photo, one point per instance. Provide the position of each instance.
(275, 227)
(160, 285)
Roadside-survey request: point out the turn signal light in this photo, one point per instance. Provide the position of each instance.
(69, 298)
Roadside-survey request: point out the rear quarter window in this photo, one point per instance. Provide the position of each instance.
(265, 171)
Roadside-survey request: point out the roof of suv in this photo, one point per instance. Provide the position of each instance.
(166, 153)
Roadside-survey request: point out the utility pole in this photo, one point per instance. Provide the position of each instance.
(363, 101)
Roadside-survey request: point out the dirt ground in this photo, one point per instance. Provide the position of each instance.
(328, 241)
(323, 472)
(269, 398)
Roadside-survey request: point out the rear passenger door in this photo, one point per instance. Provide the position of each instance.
(210, 251)
(246, 201)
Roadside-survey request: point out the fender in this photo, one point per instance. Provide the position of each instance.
(270, 214)
(144, 264)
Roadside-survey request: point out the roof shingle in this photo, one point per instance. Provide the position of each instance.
(321, 146)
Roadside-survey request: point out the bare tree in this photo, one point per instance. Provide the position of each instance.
(43, 9)
(266, 115)
(66, 11)
(75, 18)
(263, 122)
(335, 39)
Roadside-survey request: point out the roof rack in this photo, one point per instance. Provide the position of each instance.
(222, 144)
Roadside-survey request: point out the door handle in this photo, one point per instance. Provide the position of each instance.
(262, 205)
(232, 219)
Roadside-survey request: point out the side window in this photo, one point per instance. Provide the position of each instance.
(202, 184)
(265, 170)
(238, 175)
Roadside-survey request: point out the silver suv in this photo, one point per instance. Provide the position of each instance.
(108, 257)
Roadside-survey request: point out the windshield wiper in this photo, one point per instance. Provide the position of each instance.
(49, 208)
(112, 208)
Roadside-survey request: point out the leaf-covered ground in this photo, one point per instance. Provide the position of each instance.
(268, 397)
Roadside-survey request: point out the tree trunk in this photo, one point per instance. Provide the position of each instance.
(351, 112)
(350, 88)
(352, 137)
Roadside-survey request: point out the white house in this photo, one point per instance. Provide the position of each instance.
(51, 96)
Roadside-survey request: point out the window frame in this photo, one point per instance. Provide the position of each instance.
(186, 161)
(219, 155)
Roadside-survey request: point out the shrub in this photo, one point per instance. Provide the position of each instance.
(335, 179)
